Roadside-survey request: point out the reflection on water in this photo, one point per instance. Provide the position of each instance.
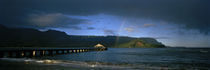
(121, 58)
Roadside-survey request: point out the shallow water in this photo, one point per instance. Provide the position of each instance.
(117, 58)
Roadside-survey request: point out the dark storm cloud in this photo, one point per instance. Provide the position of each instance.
(193, 14)
(46, 20)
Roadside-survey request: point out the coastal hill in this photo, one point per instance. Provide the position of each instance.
(27, 37)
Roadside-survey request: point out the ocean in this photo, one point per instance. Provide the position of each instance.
(117, 59)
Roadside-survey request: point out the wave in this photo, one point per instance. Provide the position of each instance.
(83, 64)
(88, 65)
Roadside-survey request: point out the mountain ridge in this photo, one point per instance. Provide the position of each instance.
(28, 37)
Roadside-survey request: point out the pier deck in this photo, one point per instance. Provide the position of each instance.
(33, 52)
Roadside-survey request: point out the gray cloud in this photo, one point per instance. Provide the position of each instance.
(161, 37)
(129, 29)
(148, 25)
(53, 20)
(194, 14)
(90, 28)
(75, 27)
(109, 32)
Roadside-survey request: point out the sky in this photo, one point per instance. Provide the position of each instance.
(172, 22)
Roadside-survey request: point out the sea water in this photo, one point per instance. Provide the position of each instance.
(117, 59)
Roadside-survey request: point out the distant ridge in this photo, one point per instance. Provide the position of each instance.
(27, 37)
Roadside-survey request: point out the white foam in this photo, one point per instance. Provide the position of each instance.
(13, 59)
(40, 61)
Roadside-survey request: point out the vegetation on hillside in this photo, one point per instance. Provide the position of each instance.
(25, 37)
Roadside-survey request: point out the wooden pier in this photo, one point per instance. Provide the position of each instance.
(34, 52)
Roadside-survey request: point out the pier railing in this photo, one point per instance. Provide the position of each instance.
(34, 52)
